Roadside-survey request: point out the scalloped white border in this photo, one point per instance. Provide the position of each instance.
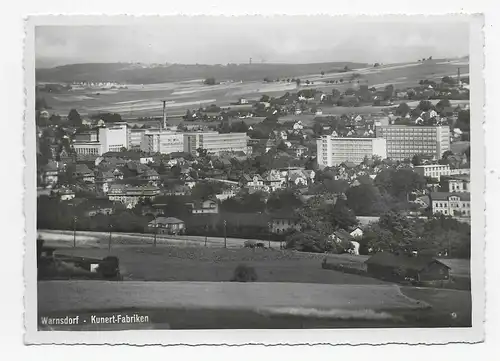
(263, 337)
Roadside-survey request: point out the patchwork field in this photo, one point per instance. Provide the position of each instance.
(145, 99)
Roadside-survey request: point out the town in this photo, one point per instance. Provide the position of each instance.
(316, 184)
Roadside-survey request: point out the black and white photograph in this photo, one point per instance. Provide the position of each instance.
(255, 173)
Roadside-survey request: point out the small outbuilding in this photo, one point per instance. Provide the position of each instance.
(389, 266)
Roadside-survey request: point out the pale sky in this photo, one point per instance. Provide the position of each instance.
(282, 39)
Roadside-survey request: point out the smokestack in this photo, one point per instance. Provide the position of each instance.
(458, 77)
(164, 115)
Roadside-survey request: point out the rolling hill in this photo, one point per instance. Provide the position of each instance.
(160, 73)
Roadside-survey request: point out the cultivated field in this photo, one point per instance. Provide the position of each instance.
(145, 100)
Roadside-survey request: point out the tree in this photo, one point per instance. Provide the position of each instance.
(282, 146)
(74, 118)
(403, 109)
(209, 81)
(322, 73)
(283, 200)
(443, 103)
(265, 98)
(341, 80)
(447, 154)
(341, 216)
(346, 68)
(430, 57)
(307, 82)
(376, 65)
(365, 200)
(399, 183)
(317, 129)
(425, 105)
(417, 159)
(448, 80)
(297, 81)
(463, 121)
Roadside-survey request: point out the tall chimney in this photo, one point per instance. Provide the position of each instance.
(458, 77)
(164, 115)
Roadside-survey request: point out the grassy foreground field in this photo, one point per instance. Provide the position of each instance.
(178, 258)
(170, 263)
(200, 305)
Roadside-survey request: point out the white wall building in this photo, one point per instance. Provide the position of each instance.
(404, 141)
(336, 150)
(214, 142)
(161, 141)
(435, 171)
(111, 138)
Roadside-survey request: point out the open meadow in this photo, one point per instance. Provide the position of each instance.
(189, 286)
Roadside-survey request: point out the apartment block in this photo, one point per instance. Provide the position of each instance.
(162, 141)
(332, 151)
(404, 141)
(215, 143)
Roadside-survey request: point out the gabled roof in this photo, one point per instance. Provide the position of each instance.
(416, 263)
(166, 220)
(343, 235)
(443, 196)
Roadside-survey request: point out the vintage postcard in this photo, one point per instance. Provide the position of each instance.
(254, 180)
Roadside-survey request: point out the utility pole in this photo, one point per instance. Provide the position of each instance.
(225, 238)
(156, 232)
(269, 234)
(74, 231)
(110, 235)
(206, 236)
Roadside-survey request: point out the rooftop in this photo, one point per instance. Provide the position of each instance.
(417, 263)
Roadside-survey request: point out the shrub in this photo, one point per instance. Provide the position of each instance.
(109, 267)
(244, 273)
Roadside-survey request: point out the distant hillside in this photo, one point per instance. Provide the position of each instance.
(149, 74)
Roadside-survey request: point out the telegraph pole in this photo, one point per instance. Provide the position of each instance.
(74, 231)
(156, 232)
(206, 236)
(110, 235)
(269, 234)
(225, 238)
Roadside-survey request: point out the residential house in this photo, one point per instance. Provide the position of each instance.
(356, 233)
(298, 150)
(50, 174)
(66, 194)
(178, 190)
(456, 183)
(166, 225)
(395, 267)
(456, 205)
(103, 180)
(298, 125)
(283, 222)
(298, 179)
(342, 236)
(83, 173)
(208, 206)
(151, 176)
(251, 181)
(189, 182)
(131, 195)
(118, 173)
(226, 194)
(273, 180)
